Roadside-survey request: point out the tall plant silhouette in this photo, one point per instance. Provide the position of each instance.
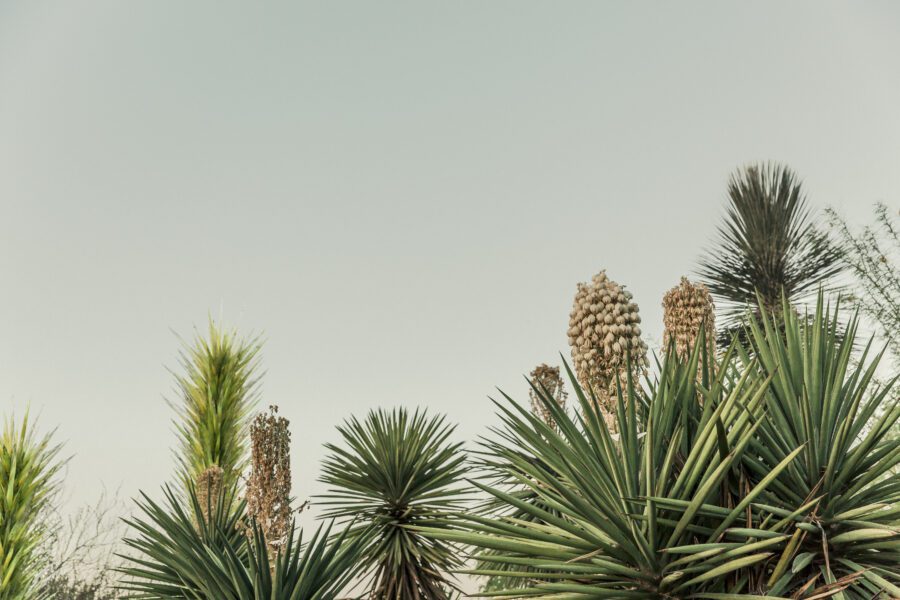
(217, 388)
(768, 245)
(397, 471)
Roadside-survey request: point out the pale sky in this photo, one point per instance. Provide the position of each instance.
(401, 197)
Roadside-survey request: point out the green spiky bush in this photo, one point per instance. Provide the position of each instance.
(218, 392)
(398, 470)
(29, 465)
(768, 477)
(207, 552)
(824, 401)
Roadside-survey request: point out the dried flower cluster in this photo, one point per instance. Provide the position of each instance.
(548, 382)
(269, 485)
(686, 307)
(209, 487)
(604, 332)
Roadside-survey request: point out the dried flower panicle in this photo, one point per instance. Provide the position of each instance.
(208, 487)
(547, 380)
(604, 334)
(686, 307)
(268, 491)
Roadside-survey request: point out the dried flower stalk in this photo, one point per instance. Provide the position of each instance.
(548, 382)
(269, 485)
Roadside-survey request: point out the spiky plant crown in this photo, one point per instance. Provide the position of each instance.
(546, 381)
(605, 337)
(173, 558)
(398, 471)
(29, 465)
(769, 244)
(687, 307)
(218, 391)
(269, 485)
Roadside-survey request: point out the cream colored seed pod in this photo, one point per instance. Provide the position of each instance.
(685, 308)
(599, 352)
(547, 380)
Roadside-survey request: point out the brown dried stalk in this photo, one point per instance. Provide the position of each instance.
(269, 485)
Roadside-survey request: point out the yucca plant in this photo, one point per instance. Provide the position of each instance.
(397, 470)
(29, 465)
(218, 391)
(617, 514)
(774, 484)
(179, 547)
(540, 393)
(174, 558)
(769, 244)
(824, 401)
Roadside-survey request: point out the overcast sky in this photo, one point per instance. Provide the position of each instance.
(401, 197)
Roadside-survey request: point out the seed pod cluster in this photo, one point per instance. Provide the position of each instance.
(548, 382)
(268, 490)
(686, 307)
(604, 330)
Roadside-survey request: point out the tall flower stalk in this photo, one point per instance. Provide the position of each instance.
(605, 338)
(269, 485)
(29, 465)
(546, 382)
(686, 308)
(218, 391)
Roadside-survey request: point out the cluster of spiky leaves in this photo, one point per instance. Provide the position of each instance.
(540, 395)
(174, 558)
(768, 245)
(775, 485)
(397, 470)
(28, 468)
(218, 394)
(605, 338)
(826, 400)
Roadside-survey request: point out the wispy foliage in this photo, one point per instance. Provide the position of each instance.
(78, 560)
(873, 256)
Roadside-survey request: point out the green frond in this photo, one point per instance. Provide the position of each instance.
(769, 244)
(178, 553)
(397, 471)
